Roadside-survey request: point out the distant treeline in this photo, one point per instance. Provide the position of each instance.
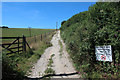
(100, 25)
(3, 26)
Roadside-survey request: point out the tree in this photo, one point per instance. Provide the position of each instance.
(62, 22)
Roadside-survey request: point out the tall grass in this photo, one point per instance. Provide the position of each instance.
(16, 66)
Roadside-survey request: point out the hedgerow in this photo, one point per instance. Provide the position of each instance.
(98, 26)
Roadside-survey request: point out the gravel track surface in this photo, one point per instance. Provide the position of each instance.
(62, 63)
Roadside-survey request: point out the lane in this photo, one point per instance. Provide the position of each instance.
(61, 63)
(41, 65)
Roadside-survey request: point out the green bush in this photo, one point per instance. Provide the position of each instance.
(100, 25)
(9, 69)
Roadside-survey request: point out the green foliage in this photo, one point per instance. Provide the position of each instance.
(49, 71)
(63, 22)
(50, 60)
(16, 66)
(61, 47)
(9, 68)
(100, 25)
(52, 55)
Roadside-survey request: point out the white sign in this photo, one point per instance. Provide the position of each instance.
(103, 53)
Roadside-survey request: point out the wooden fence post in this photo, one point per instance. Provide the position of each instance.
(24, 43)
(41, 37)
(35, 38)
(45, 35)
(18, 45)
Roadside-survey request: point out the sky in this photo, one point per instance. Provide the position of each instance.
(42, 15)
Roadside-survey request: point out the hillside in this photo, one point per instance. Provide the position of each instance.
(100, 25)
(15, 32)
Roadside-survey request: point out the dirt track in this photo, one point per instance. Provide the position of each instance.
(61, 61)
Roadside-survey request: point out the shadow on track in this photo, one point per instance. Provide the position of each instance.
(50, 75)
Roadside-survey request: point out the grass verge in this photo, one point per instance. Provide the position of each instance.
(61, 48)
(50, 61)
(17, 65)
(49, 70)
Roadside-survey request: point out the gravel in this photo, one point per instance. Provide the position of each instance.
(62, 64)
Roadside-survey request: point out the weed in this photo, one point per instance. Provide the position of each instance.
(50, 60)
(52, 55)
(61, 48)
(49, 71)
(18, 65)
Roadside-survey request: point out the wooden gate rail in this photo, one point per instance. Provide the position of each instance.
(10, 37)
(17, 42)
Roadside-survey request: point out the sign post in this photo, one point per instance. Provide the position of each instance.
(103, 53)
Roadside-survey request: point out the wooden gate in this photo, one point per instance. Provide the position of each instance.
(19, 45)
